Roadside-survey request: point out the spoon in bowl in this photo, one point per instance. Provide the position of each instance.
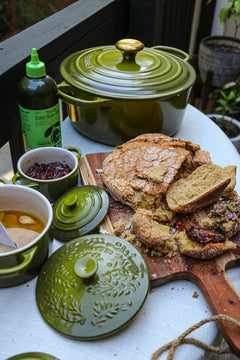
(4, 237)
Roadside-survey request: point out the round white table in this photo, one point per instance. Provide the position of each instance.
(169, 309)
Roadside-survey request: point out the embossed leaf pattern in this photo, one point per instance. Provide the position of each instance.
(104, 310)
(67, 312)
(114, 288)
(61, 276)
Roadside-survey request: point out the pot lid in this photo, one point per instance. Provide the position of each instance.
(92, 286)
(127, 70)
(32, 356)
(79, 212)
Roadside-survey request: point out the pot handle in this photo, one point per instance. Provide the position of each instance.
(74, 149)
(4, 180)
(174, 51)
(72, 96)
(27, 259)
(17, 177)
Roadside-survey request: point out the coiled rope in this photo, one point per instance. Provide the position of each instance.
(171, 346)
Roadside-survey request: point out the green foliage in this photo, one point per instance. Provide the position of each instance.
(16, 15)
(229, 101)
(230, 11)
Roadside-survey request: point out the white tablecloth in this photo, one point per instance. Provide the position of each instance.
(169, 309)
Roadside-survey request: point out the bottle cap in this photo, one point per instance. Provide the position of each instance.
(35, 68)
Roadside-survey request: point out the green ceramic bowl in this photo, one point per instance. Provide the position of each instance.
(33, 356)
(52, 189)
(114, 93)
(24, 263)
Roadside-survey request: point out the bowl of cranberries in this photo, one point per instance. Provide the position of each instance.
(50, 170)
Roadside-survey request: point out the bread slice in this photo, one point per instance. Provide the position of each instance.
(196, 250)
(201, 188)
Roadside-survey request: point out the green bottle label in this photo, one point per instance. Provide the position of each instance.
(41, 127)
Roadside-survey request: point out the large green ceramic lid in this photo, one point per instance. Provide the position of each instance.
(127, 71)
(79, 212)
(92, 286)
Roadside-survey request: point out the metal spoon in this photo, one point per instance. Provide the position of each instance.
(4, 237)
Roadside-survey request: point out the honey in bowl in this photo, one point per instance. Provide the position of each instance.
(21, 226)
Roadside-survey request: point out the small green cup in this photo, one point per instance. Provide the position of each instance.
(53, 188)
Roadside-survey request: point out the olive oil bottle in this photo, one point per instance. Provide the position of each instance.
(39, 106)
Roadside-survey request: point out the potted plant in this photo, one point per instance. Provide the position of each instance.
(228, 105)
(220, 55)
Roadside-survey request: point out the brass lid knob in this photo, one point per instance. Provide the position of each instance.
(129, 48)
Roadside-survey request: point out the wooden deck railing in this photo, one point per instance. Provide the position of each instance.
(81, 25)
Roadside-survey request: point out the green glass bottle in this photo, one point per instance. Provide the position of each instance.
(39, 106)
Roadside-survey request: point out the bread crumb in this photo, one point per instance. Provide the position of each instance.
(119, 227)
(195, 295)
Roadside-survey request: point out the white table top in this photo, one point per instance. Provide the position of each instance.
(168, 311)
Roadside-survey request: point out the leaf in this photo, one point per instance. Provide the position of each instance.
(236, 6)
(48, 131)
(232, 95)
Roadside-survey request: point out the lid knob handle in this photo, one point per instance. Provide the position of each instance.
(86, 267)
(129, 48)
(70, 201)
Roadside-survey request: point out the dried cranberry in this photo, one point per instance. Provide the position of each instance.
(53, 170)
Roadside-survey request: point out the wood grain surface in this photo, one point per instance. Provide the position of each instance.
(208, 275)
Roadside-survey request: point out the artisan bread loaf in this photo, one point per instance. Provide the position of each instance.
(139, 172)
(128, 171)
(194, 249)
(201, 188)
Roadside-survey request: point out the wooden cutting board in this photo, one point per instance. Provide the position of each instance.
(208, 275)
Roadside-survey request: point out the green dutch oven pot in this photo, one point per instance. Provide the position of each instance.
(22, 264)
(114, 93)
